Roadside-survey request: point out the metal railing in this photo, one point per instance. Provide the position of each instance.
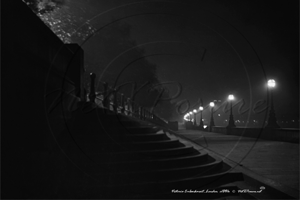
(117, 102)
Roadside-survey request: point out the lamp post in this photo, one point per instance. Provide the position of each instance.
(190, 124)
(231, 120)
(187, 120)
(195, 112)
(201, 121)
(272, 118)
(212, 123)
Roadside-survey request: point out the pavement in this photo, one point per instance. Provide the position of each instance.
(271, 163)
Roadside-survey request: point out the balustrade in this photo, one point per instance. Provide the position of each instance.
(110, 99)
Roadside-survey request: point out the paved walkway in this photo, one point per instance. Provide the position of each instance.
(273, 160)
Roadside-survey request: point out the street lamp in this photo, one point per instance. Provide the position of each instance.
(188, 116)
(272, 118)
(231, 121)
(191, 115)
(195, 111)
(201, 121)
(211, 104)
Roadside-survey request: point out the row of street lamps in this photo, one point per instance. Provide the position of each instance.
(212, 123)
(271, 121)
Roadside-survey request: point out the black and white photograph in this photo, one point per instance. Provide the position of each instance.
(150, 99)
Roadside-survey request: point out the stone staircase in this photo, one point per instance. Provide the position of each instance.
(118, 156)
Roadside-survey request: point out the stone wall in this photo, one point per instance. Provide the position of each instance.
(41, 81)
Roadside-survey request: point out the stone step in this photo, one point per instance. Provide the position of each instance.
(106, 160)
(94, 163)
(121, 136)
(174, 173)
(137, 129)
(141, 129)
(147, 137)
(123, 152)
(131, 145)
(154, 189)
(166, 163)
(163, 144)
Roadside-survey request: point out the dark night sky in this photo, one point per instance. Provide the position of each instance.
(245, 43)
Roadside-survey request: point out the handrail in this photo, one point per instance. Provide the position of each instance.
(112, 100)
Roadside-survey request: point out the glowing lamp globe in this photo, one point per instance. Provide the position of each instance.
(231, 97)
(271, 83)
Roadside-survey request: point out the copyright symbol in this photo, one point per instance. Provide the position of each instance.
(262, 188)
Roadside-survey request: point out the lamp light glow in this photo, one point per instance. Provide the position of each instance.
(195, 111)
(271, 83)
(212, 104)
(231, 97)
(200, 108)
